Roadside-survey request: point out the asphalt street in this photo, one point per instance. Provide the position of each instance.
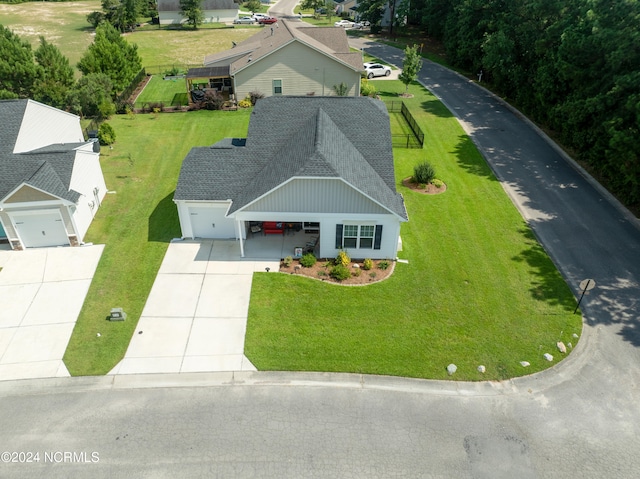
(580, 418)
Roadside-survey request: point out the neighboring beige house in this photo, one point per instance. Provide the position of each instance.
(286, 58)
(215, 11)
(51, 182)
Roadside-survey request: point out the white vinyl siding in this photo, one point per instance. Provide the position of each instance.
(316, 195)
(303, 71)
(210, 16)
(87, 179)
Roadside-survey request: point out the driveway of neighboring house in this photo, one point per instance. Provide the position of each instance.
(41, 293)
(195, 317)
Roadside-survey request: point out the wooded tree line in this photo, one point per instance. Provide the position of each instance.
(45, 75)
(573, 65)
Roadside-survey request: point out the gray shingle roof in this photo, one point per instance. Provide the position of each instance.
(328, 40)
(339, 137)
(48, 169)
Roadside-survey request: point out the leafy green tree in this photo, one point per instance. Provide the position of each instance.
(330, 5)
(371, 10)
(112, 55)
(18, 72)
(252, 5)
(57, 77)
(91, 95)
(411, 65)
(192, 11)
(312, 4)
(96, 18)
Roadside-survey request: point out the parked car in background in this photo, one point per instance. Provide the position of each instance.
(244, 20)
(344, 24)
(267, 20)
(376, 70)
(258, 16)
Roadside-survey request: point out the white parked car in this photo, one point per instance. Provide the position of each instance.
(241, 20)
(376, 70)
(344, 24)
(258, 16)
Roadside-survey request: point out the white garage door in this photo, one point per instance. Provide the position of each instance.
(210, 222)
(42, 229)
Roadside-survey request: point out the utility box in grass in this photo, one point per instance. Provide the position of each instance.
(117, 314)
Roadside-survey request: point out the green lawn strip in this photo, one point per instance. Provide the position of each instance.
(478, 288)
(136, 223)
(158, 90)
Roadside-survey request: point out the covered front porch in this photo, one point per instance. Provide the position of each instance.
(293, 241)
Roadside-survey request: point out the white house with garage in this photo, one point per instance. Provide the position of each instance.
(51, 182)
(214, 11)
(320, 164)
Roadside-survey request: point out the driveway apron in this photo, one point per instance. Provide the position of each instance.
(41, 294)
(196, 315)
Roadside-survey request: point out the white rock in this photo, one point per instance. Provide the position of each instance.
(98, 335)
(452, 368)
(561, 347)
(570, 346)
(356, 265)
(575, 336)
(525, 364)
(548, 357)
(481, 369)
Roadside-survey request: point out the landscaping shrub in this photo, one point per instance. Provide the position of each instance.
(343, 259)
(308, 260)
(213, 100)
(287, 261)
(437, 183)
(340, 272)
(367, 88)
(106, 134)
(423, 173)
(254, 96)
(356, 272)
(367, 264)
(384, 264)
(246, 103)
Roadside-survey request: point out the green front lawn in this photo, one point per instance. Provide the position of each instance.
(478, 288)
(169, 92)
(136, 222)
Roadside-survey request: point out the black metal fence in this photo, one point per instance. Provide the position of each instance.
(415, 140)
(170, 69)
(123, 98)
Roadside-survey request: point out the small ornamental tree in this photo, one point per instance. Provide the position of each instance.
(192, 11)
(411, 65)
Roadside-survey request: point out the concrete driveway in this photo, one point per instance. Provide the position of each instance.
(41, 294)
(196, 315)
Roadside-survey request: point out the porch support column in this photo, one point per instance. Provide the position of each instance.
(239, 234)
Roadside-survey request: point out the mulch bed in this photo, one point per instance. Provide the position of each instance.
(428, 189)
(320, 271)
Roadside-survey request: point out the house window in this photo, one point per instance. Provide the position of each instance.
(358, 236)
(277, 87)
(350, 236)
